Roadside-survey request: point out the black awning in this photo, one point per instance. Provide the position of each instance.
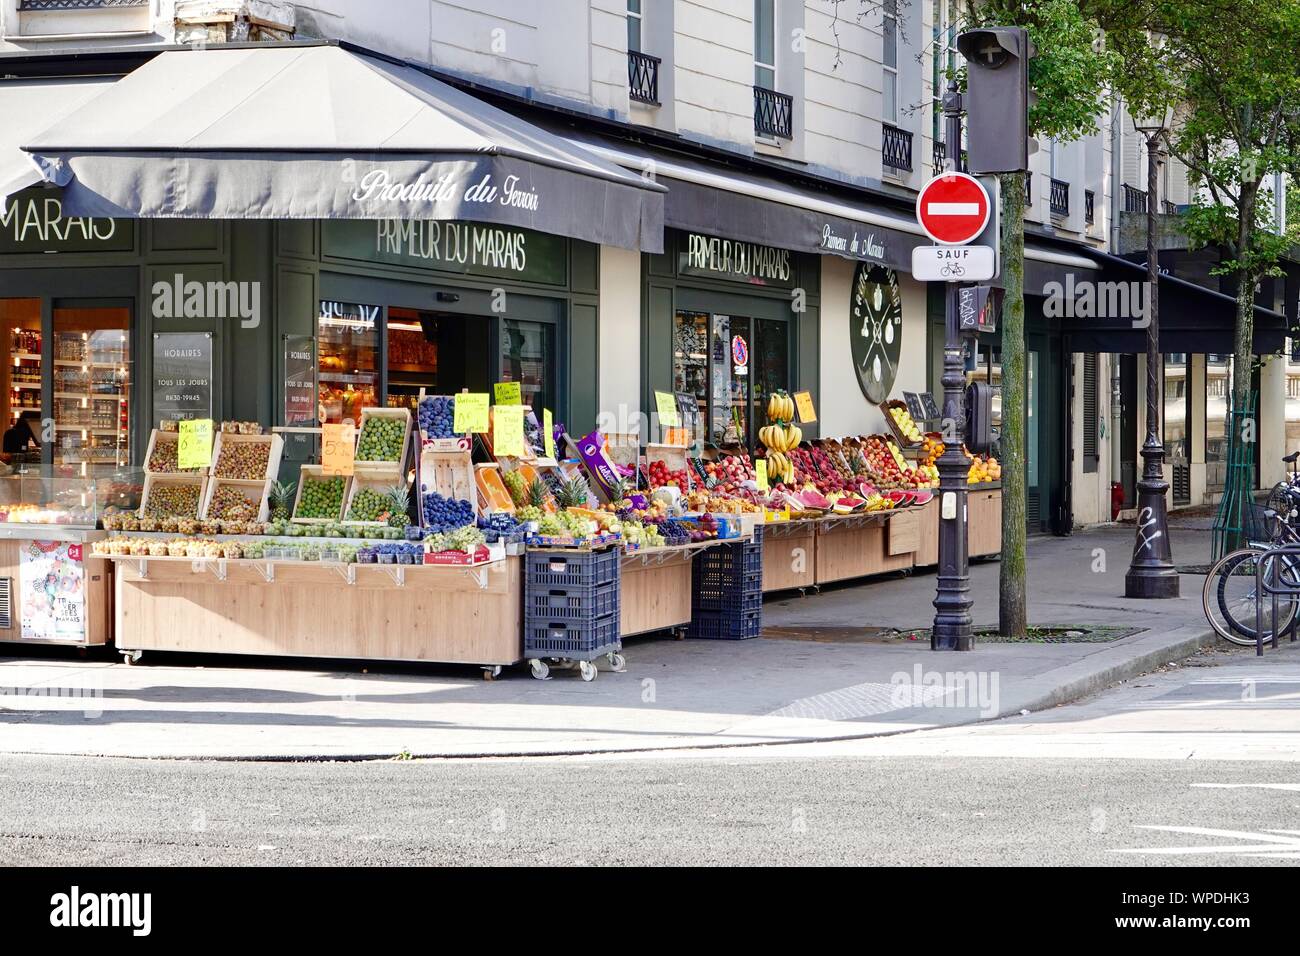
(1106, 317)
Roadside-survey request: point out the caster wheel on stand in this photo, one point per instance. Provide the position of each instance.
(539, 669)
(588, 670)
(492, 673)
(618, 663)
(131, 657)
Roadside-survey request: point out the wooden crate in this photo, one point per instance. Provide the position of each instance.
(492, 492)
(380, 483)
(531, 474)
(306, 472)
(450, 474)
(152, 482)
(360, 466)
(902, 440)
(256, 491)
(157, 437)
(275, 448)
(459, 443)
(927, 545)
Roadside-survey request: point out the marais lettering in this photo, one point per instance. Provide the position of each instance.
(867, 246)
(40, 220)
(464, 244)
(727, 256)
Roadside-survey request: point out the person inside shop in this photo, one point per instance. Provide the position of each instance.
(22, 436)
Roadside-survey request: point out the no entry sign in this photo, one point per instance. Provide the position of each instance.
(953, 208)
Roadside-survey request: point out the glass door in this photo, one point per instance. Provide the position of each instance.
(23, 379)
(527, 352)
(348, 356)
(90, 365)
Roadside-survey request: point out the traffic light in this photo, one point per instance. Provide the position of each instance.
(997, 98)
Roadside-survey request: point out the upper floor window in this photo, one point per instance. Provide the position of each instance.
(944, 59)
(765, 44)
(634, 25)
(889, 31)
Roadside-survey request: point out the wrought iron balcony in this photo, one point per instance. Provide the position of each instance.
(1058, 197)
(896, 145)
(1089, 206)
(643, 77)
(1169, 208)
(1135, 200)
(773, 113)
(941, 154)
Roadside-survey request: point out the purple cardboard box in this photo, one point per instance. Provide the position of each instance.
(604, 474)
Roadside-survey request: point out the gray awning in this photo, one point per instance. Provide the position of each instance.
(320, 132)
(26, 108)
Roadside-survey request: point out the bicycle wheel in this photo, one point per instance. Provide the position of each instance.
(1228, 596)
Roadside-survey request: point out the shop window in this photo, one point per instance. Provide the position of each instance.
(1218, 398)
(24, 368)
(730, 364)
(348, 346)
(765, 44)
(1177, 438)
(527, 352)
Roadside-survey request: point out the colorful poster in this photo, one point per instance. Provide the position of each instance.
(52, 582)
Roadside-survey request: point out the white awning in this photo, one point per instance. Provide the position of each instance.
(26, 108)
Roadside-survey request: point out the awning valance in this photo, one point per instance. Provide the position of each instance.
(316, 131)
(1192, 318)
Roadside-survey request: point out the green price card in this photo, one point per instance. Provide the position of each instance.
(508, 431)
(471, 413)
(508, 393)
(548, 432)
(666, 405)
(194, 447)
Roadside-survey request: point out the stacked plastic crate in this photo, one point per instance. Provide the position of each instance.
(727, 591)
(572, 601)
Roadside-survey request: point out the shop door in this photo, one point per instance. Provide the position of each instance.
(1046, 491)
(66, 384)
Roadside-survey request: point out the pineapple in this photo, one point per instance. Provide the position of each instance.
(282, 500)
(858, 463)
(400, 497)
(537, 494)
(574, 493)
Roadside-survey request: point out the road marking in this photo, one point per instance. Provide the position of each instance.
(1270, 844)
(1262, 786)
(952, 208)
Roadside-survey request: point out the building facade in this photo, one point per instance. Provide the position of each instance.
(789, 138)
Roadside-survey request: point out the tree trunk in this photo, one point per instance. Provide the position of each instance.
(1012, 613)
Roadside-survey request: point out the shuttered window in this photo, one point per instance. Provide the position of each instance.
(1089, 414)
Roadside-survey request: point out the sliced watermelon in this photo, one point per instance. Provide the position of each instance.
(815, 500)
(923, 497)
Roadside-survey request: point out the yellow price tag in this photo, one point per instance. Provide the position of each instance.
(471, 414)
(508, 393)
(804, 403)
(760, 473)
(666, 405)
(508, 431)
(548, 432)
(194, 446)
(338, 448)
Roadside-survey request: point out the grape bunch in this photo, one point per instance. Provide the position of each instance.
(437, 414)
(462, 539)
(446, 514)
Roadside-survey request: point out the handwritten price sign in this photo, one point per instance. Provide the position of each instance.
(338, 448)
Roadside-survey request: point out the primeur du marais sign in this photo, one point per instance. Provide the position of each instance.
(32, 221)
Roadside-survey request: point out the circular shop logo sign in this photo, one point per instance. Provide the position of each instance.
(875, 329)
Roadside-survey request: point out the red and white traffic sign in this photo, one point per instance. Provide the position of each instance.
(953, 208)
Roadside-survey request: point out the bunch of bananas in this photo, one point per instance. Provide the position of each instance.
(780, 437)
(780, 407)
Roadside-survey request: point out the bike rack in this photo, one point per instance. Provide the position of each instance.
(1265, 589)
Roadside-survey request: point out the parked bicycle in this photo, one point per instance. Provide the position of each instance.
(1232, 586)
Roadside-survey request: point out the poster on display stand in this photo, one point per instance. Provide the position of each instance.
(52, 595)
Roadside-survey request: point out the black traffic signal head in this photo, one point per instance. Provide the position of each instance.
(997, 98)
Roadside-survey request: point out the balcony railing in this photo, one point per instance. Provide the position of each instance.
(896, 146)
(1089, 206)
(773, 113)
(1135, 200)
(643, 77)
(1168, 208)
(1058, 197)
(941, 155)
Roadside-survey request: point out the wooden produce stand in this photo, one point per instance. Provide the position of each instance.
(984, 520)
(789, 554)
(656, 586)
(856, 546)
(58, 593)
(442, 613)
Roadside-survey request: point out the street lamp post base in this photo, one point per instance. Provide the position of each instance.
(1151, 573)
(1151, 583)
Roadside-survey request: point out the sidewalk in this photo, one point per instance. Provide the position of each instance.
(817, 674)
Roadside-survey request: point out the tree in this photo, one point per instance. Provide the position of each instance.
(1069, 77)
(1232, 79)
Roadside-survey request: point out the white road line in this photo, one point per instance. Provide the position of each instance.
(1270, 844)
(1262, 786)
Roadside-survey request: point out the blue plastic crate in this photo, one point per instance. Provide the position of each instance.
(577, 569)
(572, 640)
(729, 568)
(571, 604)
(726, 625)
(736, 602)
